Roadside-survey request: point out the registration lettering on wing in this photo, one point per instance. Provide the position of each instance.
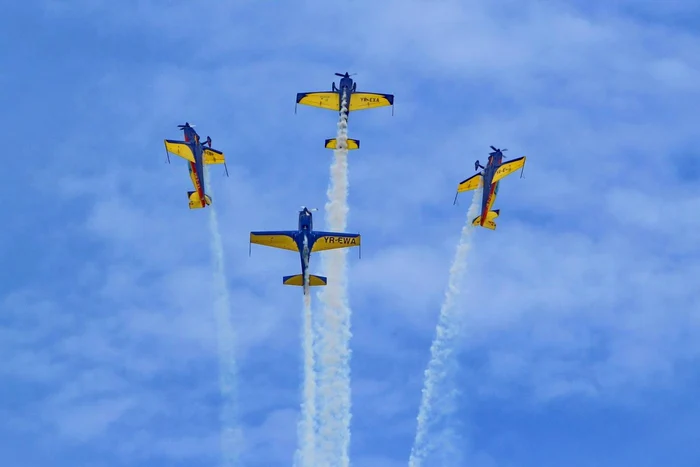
(502, 169)
(340, 240)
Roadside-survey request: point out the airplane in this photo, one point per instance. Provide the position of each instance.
(305, 240)
(355, 101)
(198, 154)
(489, 178)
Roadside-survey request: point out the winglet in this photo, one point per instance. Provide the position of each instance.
(455, 201)
(226, 168)
(167, 154)
(250, 248)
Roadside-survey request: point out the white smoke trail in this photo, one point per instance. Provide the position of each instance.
(438, 397)
(305, 455)
(230, 429)
(334, 329)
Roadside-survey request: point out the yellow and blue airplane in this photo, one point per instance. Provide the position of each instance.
(306, 240)
(197, 154)
(489, 179)
(332, 100)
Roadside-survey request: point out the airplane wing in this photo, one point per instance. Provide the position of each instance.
(324, 100)
(472, 183)
(283, 239)
(333, 240)
(369, 100)
(508, 168)
(212, 156)
(179, 148)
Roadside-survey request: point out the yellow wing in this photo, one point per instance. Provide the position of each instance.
(324, 100)
(179, 148)
(369, 100)
(212, 156)
(283, 240)
(508, 168)
(472, 183)
(352, 144)
(332, 241)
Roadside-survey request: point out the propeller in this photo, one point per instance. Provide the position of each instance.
(182, 127)
(346, 75)
(502, 150)
(310, 210)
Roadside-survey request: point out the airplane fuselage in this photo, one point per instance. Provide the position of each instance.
(490, 189)
(346, 87)
(305, 240)
(305, 253)
(196, 167)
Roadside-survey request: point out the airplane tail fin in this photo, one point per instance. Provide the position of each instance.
(488, 222)
(196, 201)
(333, 143)
(298, 280)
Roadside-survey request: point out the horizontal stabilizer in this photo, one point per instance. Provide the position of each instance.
(352, 143)
(196, 201)
(488, 223)
(298, 279)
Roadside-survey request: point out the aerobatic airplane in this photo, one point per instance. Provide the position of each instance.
(198, 154)
(489, 179)
(355, 101)
(305, 241)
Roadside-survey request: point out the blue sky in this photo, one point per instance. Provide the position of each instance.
(581, 324)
